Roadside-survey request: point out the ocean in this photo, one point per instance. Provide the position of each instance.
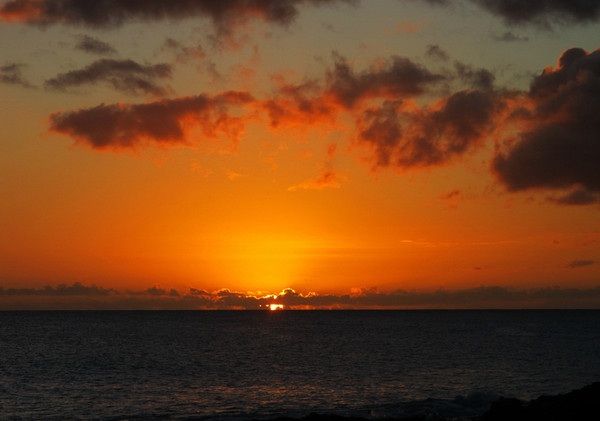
(241, 365)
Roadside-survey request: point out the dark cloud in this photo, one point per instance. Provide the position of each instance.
(107, 13)
(225, 13)
(580, 263)
(156, 291)
(510, 37)
(398, 78)
(543, 12)
(166, 121)
(94, 46)
(409, 138)
(62, 289)
(11, 74)
(436, 52)
(123, 75)
(559, 147)
(381, 128)
(476, 78)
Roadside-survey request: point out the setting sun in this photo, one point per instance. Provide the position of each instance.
(274, 307)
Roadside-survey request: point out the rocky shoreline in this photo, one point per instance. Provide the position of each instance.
(575, 405)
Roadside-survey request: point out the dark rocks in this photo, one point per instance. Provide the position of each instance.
(582, 404)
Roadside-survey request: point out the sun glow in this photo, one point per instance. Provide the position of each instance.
(275, 261)
(274, 307)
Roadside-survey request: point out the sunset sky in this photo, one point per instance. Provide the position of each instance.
(363, 154)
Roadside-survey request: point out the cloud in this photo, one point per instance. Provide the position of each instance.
(559, 143)
(126, 76)
(62, 289)
(395, 129)
(510, 37)
(109, 13)
(344, 89)
(403, 137)
(94, 46)
(165, 122)
(543, 12)
(436, 52)
(78, 296)
(451, 195)
(184, 53)
(396, 78)
(390, 124)
(301, 104)
(328, 179)
(11, 74)
(476, 78)
(577, 197)
(156, 291)
(580, 263)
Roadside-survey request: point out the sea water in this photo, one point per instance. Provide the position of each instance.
(265, 364)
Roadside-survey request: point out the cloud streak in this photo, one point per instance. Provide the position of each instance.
(61, 290)
(580, 263)
(125, 76)
(94, 46)
(11, 74)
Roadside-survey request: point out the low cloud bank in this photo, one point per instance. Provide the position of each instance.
(81, 297)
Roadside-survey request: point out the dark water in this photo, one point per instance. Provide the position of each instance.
(245, 364)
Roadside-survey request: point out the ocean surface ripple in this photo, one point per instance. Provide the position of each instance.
(259, 364)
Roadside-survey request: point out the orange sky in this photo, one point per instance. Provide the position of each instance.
(330, 147)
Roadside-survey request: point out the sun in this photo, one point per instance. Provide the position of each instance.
(274, 307)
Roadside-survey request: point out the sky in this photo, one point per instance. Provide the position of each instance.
(198, 154)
